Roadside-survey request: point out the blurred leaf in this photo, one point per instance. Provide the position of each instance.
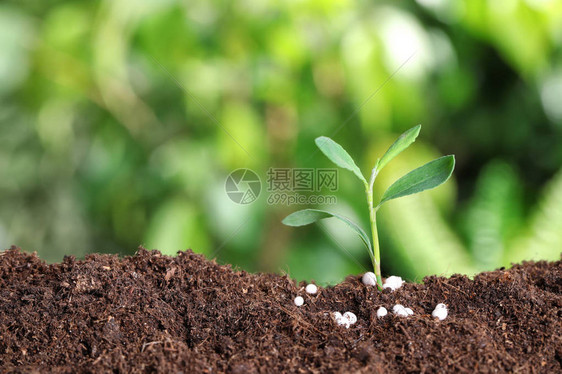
(177, 226)
(240, 135)
(494, 214)
(16, 33)
(428, 176)
(319, 260)
(543, 238)
(338, 155)
(421, 239)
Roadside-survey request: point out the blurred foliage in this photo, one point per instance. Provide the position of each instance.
(120, 120)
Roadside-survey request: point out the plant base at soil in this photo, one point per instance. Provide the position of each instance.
(154, 313)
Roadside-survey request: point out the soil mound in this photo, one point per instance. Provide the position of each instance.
(154, 313)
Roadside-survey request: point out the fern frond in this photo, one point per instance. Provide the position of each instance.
(543, 239)
(493, 215)
(423, 238)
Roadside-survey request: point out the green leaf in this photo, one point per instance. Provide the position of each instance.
(308, 216)
(403, 142)
(428, 176)
(338, 155)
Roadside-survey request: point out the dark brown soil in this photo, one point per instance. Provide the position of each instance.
(153, 313)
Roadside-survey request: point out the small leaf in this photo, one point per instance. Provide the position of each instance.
(403, 142)
(425, 177)
(308, 216)
(338, 155)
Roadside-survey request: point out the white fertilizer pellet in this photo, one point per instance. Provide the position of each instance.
(440, 312)
(339, 319)
(381, 312)
(350, 317)
(299, 301)
(393, 282)
(400, 311)
(311, 289)
(369, 279)
(346, 320)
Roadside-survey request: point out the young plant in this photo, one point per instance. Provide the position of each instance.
(425, 177)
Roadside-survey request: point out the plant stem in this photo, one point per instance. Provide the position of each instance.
(373, 217)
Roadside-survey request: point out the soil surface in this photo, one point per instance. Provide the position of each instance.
(184, 314)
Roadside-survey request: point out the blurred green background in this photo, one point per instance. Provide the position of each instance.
(115, 119)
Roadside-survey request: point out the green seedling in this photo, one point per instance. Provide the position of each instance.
(425, 177)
